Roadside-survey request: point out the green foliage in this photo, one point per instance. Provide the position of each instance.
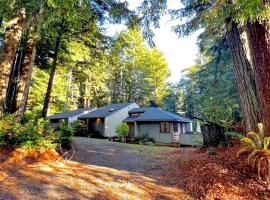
(201, 13)
(38, 90)
(234, 135)
(144, 138)
(256, 146)
(136, 72)
(80, 128)
(30, 135)
(209, 86)
(65, 136)
(78, 124)
(122, 130)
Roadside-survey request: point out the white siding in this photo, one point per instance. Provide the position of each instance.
(116, 118)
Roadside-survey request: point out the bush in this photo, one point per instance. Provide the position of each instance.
(30, 135)
(122, 130)
(79, 128)
(144, 138)
(66, 136)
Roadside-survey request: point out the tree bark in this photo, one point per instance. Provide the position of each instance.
(69, 81)
(13, 81)
(25, 79)
(11, 43)
(52, 74)
(1, 21)
(259, 41)
(244, 76)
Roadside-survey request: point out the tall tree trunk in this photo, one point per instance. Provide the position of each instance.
(69, 80)
(25, 79)
(259, 42)
(52, 74)
(1, 21)
(13, 80)
(11, 43)
(244, 76)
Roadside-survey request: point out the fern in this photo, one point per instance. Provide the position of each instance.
(256, 138)
(256, 145)
(249, 142)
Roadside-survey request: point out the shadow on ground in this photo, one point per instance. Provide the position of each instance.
(98, 170)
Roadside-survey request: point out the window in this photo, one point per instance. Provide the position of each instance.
(164, 127)
(175, 127)
(135, 114)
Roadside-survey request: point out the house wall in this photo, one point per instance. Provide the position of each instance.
(191, 139)
(116, 118)
(153, 130)
(186, 127)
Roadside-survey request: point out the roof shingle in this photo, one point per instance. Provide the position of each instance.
(105, 111)
(67, 114)
(155, 114)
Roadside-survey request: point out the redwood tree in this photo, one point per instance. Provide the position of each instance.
(213, 16)
(259, 43)
(244, 76)
(11, 43)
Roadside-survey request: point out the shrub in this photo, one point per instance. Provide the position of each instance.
(32, 134)
(66, 136)
(79, 127)
(144, 138)
(122, 130)
(256, 146)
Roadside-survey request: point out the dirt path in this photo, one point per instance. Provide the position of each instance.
(99, 169)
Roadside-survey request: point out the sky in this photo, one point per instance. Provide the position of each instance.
(180, 53)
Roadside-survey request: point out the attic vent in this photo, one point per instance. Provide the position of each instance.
(111, 110)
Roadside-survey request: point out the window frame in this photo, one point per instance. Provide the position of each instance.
(164, 127)
(175, 125)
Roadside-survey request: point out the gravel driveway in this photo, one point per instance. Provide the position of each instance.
(117, 155)
(99, 169)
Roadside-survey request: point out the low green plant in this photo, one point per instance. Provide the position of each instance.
(29, 135)
(65, 136)
(144, 138)
(256, 147)
(234, 135)
(79, 127)
(122, 130)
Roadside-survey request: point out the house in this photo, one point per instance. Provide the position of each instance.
(67, 117)
(103, 121)
(163, 126)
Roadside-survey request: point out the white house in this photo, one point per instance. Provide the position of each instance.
(103, 121)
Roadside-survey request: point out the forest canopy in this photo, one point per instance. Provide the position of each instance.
(55, 56)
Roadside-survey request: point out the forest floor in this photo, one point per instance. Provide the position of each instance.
(100, 169)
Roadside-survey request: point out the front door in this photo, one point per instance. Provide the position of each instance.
(131, 132)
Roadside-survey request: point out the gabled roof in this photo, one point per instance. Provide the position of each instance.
(149, 114)
(105, 111)
(67, 114)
